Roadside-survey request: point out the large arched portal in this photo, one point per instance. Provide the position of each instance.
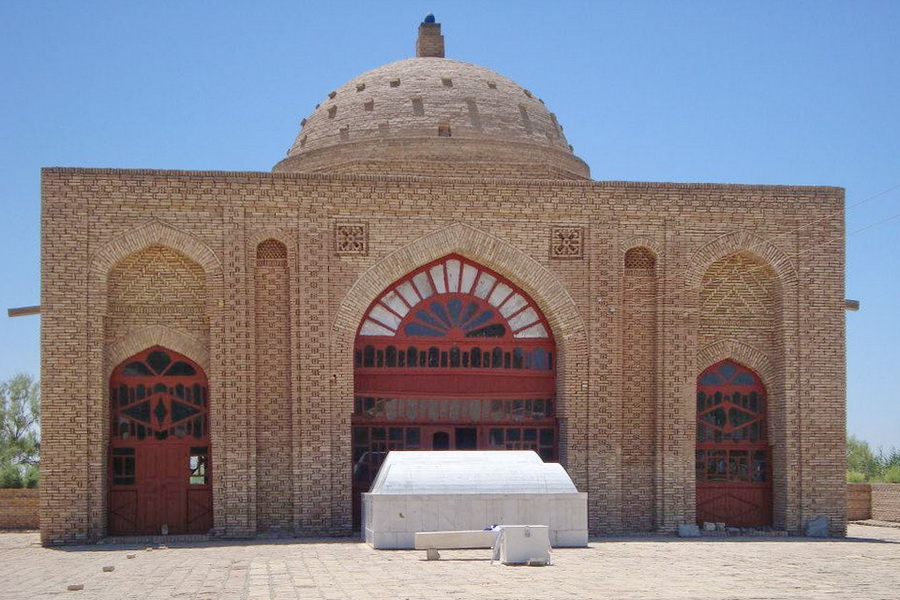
(452, 356)
(159, 451)
(734, 466)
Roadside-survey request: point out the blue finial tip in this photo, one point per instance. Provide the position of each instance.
(429, 18)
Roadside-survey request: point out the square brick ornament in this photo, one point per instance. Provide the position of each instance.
(351, 239)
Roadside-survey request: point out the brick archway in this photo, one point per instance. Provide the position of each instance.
(453, 356)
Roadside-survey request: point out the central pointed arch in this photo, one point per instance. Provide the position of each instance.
(452, 356)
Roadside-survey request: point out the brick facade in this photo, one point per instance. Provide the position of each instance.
(277, 339)
(19, 508)
(263, 279)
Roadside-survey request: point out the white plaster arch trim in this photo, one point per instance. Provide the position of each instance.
(742, 241)
(156, 335)
(641, 242)
(155, 232)
(545, 289)
(747, 355)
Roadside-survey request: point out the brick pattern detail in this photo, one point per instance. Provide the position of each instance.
(156, 286)
(95, 220)
(19, 508)
(274, 431)
(351, 239)
(639, 412)
(886, 501)
(739, 288)
(567, 242)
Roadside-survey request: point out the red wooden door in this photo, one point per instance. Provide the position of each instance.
(162, 488)
(159, 454)
(733, 456)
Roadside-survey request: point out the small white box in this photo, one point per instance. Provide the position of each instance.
(519, 544)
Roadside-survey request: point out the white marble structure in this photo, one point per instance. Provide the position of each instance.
(466, 490)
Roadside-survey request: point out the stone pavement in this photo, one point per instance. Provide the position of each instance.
(865, 566)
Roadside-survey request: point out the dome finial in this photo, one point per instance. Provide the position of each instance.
(430, 42)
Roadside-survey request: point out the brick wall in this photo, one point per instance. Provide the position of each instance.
(859, 501)
(886, 501)
(19, 508)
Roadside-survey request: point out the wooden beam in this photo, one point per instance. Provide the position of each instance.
(24, 311)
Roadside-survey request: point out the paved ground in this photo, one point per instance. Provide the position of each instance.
(864, 567)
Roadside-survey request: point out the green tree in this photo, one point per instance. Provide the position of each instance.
(861, 459)
(20, 431)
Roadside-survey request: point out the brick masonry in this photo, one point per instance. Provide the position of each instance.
(859, 502)
(19, 508)
(630, 342)
(886, 501)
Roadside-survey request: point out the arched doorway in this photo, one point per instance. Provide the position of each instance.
(159, 452)
(452, 357)
(733, 456)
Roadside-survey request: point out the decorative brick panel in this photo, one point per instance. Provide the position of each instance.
(567, 242)
(351, 239)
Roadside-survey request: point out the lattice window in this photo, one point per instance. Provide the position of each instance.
(271, 253)
(640, 259)
(158, 395)
(567, 242)
(351, 238)
(731, 425)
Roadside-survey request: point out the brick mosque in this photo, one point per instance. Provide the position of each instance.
(432, 267)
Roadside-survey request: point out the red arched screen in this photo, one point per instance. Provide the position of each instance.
(733, 463)
(452, 356)
(159, 455)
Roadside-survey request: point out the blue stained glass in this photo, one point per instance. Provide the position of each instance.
(419, 330)
(454, 306)
(438, 309)
(471, 310)
(160, 412)
(480, 319)
(744, 379)
(710, 379)
(427, 318)
(728, 370)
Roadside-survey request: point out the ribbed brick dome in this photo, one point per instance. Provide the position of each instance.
(434, 116)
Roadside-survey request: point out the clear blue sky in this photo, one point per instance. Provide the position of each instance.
(738, 92)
